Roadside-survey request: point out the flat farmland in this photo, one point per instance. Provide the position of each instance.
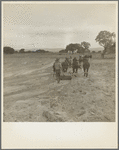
(31, 93)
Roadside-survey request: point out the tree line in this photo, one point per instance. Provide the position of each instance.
(105, 39)
(84, 46)
(9, 50)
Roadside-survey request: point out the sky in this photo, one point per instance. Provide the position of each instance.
(35, 25)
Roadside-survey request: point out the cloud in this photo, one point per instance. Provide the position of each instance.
(56, 25)
(45, 36)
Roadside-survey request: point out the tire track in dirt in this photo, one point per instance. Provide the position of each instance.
(84, 99)
(79, 100)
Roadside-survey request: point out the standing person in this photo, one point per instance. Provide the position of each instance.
(57, 67)
(86, 66)
(75, 65)
(65, 65)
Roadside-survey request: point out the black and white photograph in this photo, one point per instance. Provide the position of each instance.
(59, 62)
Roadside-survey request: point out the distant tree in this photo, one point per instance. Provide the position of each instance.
(22, 50)
(28, 51)
(72, 47)
(62, 51)
(105, 39)
(93, 51)
(86, 45)
(41, 51)
(112, 49)
(8, 50)
(99, 51)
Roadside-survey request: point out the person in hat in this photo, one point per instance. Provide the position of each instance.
(57, 69)
(75, 65)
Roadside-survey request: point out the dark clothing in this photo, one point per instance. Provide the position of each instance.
(86, 66)
(53, 67)
(57, 65)
(64, 66)
(90, 56)
(56, 69)
(80, 60)
(57, 74)
(85, 59)
(75, 65)
(75, 70)
(74, 59)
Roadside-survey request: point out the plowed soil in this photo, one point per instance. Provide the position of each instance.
(32, 94)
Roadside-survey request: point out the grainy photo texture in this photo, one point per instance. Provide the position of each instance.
(59, 62)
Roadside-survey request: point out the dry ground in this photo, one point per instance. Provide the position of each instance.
(31, 93)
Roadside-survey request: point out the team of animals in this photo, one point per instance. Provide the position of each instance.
(71, 63)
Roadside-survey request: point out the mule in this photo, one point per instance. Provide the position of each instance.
(75, 65)
(86, 66)
(64, 66)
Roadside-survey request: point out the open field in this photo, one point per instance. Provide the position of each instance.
(31, 93)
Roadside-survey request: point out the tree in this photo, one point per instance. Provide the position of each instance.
(99, 51)
(22, 51)
(28, 51)
(93, 51)
(86, 45)
(8, 50)
(41, 51)
(72, 47)
(62, 51)
(105, 39)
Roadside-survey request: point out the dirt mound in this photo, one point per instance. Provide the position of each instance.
(55, 116)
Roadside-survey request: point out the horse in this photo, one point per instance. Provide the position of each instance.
(90, 56)
(65, 66)
(86, 66)
(75, 65)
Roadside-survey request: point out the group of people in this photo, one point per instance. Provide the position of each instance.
(73, 63)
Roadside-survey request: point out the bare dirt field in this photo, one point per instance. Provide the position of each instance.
(31, 93)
